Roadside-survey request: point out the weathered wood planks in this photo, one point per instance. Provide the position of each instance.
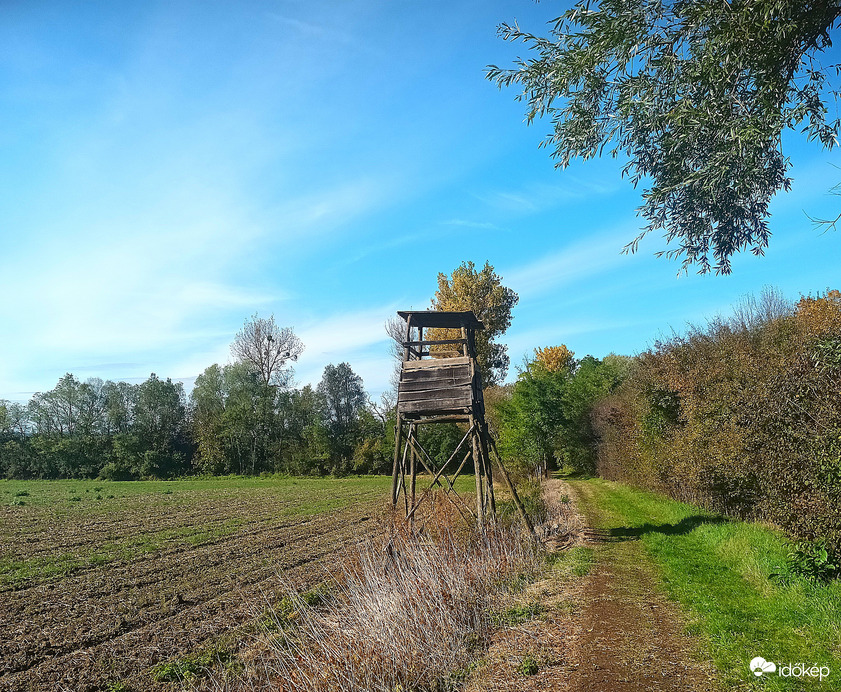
(435, 387)
(434, 406)
(432, 364)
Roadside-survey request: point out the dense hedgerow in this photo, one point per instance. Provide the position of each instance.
(742, 416)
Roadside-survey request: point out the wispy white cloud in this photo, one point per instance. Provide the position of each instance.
(300, 219)
(357, 337)
(539, 196)
(309, 28)
(326, 31)
(483, 225)
(573, 263)
(343, 332)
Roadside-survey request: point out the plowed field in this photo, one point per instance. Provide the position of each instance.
(95, 591)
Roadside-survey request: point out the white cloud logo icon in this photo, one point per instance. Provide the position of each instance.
(759, 665)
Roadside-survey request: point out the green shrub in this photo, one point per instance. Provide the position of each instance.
(117, 687)
(287, 610)
(815, 561)
(740, 416)
(528, 666)
(192, 666)
(517, 614)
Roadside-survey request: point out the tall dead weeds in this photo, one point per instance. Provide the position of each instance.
(410, 611)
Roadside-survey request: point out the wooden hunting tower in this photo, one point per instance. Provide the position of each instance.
(440, 382)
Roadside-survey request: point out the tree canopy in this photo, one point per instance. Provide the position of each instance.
(696, 94)
(543, 420)
(483, 293)
(242, 417)
(344, 399)
(266, 347)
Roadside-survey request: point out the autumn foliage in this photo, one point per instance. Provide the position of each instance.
(742, 416)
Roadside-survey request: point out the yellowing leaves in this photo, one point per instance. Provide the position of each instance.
(554, 358)
(483, 293)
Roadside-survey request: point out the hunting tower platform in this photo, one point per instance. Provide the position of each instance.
(440, 382)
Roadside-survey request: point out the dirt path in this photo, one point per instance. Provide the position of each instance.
(612, 630)
(630, 637)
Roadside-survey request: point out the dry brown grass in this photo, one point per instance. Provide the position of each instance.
(551, 638)
(411, 610)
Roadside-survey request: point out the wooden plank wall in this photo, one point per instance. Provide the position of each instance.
(437, 386)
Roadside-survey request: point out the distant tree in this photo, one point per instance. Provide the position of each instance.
(554, 358)
(160, 427)
(483, 293)
(374, 446)
(120, 405)
(344, 399)
(534, 416)
(304, 439)
(14, 419)
(395, 327)
(66, 428)
(247, 418)
(696, 94)
(384, 409)
(544, 418)
(57, 412)
(92, 406)
(267, 348)
(207, 407)
(592, 380)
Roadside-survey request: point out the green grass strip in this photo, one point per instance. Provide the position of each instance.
(719, 569)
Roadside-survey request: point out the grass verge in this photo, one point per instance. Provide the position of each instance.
(720, 570)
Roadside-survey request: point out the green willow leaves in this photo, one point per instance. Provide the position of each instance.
(696, 95)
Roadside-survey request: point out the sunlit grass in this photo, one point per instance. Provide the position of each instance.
(721, 571)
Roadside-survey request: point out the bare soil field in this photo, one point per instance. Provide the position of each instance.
(95, 591)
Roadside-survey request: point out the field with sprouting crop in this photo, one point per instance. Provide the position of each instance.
(102, 583)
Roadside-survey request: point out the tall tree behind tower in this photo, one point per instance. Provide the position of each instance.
(483, 293)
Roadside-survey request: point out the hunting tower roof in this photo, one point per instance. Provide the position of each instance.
(441, 318)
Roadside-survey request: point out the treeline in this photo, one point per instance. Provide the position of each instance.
(231, 423)
(242, 424)
(742, 415)
(242, 418)
(86, 429)
(542, 421)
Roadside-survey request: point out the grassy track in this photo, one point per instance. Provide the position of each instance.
(719, 570)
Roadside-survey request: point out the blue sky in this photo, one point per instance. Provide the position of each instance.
(169, 169)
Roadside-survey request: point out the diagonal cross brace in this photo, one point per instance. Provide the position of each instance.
(431, 485)
(417, 447)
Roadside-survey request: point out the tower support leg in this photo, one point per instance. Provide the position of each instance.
(413, 472)
(395, 472)
(486, 456)
(478, 470)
